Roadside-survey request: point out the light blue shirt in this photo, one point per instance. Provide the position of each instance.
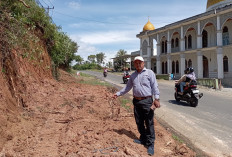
(144, 84)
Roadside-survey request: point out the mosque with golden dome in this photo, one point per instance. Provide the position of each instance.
(203, 42)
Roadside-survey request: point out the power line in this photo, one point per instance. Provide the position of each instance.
(38, 2)
(46, 8)
(85, 19)
(50, 2)
(45, 3)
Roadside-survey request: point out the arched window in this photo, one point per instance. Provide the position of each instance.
(225, 64)
(185, 39)
(189, 42)
(177, 42)
(165, 47)
(162, 47)
(225, 36)
(166, 67)
(173, 67)
(144, 48)
(177, 67)
(163, 67)
(155, 68)
(172, 43)
(204, 38)
(205, 67)
(189, 63)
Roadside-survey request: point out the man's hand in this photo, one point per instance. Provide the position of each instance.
(114, 96)
(155, 104)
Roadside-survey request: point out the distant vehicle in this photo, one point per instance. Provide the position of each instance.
(104, 74)
(191, 94)
(125, 78)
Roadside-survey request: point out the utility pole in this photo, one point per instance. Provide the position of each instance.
(48, 8)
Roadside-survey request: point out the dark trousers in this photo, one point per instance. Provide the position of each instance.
(144, 115)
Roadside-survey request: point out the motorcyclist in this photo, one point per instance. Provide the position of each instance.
(105, 72)
(126, 72)
(126, 75)
(186, 78)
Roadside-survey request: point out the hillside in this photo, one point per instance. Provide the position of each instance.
(41, 116)
(46, 113)
(69, 118)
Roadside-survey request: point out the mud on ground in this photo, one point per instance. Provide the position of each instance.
(67, 118)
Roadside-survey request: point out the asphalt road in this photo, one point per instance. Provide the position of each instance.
(208, 126)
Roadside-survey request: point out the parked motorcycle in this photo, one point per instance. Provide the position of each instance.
(125, 78)
(191, 94)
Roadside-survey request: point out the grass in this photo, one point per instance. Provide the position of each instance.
(177, 138)
(85, 75)
(91, 80)
(88, 79)
(124, 103)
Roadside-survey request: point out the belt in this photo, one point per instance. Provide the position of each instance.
(142, 98)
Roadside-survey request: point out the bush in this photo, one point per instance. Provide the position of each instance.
(20, 21)
(87, 66)
(162, 76)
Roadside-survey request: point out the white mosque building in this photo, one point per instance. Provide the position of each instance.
(203, 42)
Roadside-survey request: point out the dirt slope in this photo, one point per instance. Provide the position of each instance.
(40, 116)
(66, 118)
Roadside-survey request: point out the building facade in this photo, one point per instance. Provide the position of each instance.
(203, 42)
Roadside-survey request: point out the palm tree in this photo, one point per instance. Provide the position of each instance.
(120, 61)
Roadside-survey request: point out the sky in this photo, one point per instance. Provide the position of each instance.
(110, 25)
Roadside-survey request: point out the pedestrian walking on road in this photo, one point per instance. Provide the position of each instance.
(145, 87)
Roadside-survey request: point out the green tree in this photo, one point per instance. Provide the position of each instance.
(109, 64)
(22, 17)
(121, 52)
(79, 59)
(120, 61)
(100, 57)
(92, 58)
(64, 49)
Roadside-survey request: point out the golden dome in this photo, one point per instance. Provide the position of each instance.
(214, 4)
(148, 26)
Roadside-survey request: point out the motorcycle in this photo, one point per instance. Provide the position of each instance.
(125, 78)
(191, 94)
(104, 74)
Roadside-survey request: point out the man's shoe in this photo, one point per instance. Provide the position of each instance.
(150, 150)
(180, 93)
(138, 141)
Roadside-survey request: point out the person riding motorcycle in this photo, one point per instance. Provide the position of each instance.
(126, 72)
(186, 78)
(126, 75)
(105, 72)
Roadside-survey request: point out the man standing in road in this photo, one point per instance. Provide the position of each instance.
(145, 87)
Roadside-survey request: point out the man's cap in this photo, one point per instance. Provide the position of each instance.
(139, 58)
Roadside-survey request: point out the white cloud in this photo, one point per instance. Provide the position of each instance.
(74, 5)
(87, 25)
(87, 49)
(108, 37)
(84, 49)
(111, 41)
